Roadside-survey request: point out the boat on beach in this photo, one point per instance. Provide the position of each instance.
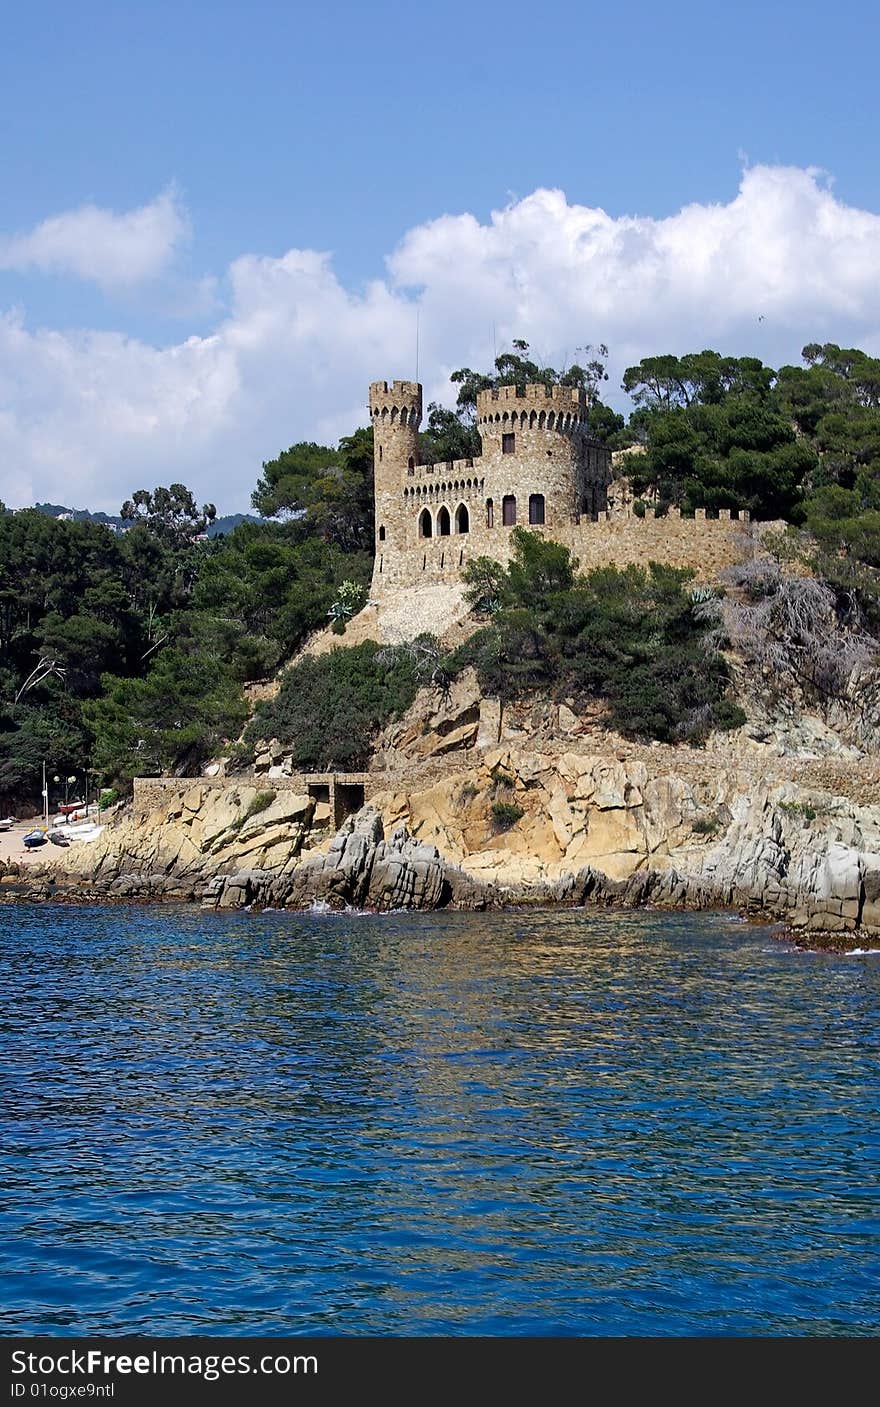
(35, 838)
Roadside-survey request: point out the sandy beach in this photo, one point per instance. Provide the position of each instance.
(12, 846)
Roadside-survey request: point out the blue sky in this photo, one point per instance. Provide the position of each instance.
(159, 325)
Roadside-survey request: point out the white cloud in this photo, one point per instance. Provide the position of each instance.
(85, 419)
(114, 251)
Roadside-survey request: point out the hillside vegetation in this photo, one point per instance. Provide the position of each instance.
(123, 653)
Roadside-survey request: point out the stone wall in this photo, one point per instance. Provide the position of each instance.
(340, 792)
(539, 467)
(706, 545)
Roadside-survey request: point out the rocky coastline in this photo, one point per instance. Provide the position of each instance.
(693, 830)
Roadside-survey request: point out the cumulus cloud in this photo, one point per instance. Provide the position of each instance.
(114, 251)
(87, 418)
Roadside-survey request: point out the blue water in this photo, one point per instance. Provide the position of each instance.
(528, 1123)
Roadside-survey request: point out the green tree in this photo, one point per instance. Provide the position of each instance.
(265, 586)
(171, 514)
(330, 490)
(633, 638)
(330, 707)
(179, 714)
(717, 435)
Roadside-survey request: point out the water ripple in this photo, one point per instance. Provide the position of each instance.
(528, 1123)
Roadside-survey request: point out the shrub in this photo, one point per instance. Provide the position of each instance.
(330, 707)
(705, 825)
(633, 637)
(108, 797)
(348, 602)
(798, 809)
(505, 814)
(261, 802)
(500, 777)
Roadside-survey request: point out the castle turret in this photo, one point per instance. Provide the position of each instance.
(395, 414)
(537, 445)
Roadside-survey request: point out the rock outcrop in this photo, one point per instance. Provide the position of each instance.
(359, 869)
(476, 806)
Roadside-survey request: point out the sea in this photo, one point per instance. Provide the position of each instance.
(534, 1122)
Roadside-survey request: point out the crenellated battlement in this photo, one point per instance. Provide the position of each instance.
(397, 404)
(540, 469)
(569, 399)
(400, 390)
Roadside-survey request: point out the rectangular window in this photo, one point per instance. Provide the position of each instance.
(508, 444)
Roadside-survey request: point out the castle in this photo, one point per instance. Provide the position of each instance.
(539, 469)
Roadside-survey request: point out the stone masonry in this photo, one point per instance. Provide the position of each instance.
(539, 469)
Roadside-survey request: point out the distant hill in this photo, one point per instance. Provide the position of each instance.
(80, 515)
(230, 521)
(218, 528)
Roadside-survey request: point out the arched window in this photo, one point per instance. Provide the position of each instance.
(380, 454)
(382, 533)
(444, 524)
(490, 513)
(536, 509)
(425, 526)
(508, 510)
(462, 519)
(410, 463)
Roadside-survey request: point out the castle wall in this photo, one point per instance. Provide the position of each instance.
(539, 469)
(705, 545)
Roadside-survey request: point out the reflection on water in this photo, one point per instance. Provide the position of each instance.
(529, 1123)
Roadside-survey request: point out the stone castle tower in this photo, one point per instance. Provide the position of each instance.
(395, 415)
(540, 469)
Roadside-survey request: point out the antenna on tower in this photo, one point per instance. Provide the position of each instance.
(418, 314)
(494, 346)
